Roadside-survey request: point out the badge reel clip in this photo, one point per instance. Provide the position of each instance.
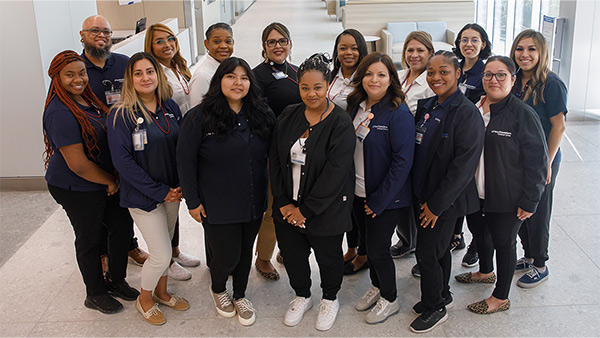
(139, 136)
(113, 95)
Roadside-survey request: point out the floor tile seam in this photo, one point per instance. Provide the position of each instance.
(577, 244)
(58, 292)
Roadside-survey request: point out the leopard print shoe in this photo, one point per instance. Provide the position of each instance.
(467, 278)
(482, 307)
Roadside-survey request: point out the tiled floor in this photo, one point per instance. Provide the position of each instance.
(42, 290)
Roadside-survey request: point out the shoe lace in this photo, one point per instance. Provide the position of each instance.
(244, 305)
(372, 293)
(154, 310)
(297, 303)
(224, 299)
(533, 273)
(325, 308)
(379, 306)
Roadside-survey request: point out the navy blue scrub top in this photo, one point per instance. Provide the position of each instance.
(432, 123)
(555, 102)
(472, 80)
(62, 129)
(107, 78)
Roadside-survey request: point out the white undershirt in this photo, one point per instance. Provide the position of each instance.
(418, 89)
(359, 158)
(480, 173)
(339, 89)
(296, 168)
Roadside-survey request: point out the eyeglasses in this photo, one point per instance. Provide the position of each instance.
(96, 32)
(466, 40)
(487, 76)
(282, 42)
(161, 42)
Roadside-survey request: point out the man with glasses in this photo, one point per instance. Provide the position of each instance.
(106, 71)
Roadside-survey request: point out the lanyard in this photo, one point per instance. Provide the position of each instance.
(403, 82)
(368, 118)
(522, 93)
(330, 88)
(156, 119)
(286, 68)
(482, 102)
(184, 84)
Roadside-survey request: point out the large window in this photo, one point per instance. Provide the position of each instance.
(504, 19)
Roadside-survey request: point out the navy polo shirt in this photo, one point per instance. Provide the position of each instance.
(62, 129)
(555, 102)
(113, 71)
(471, 79)
(432, 125)
(146, 175)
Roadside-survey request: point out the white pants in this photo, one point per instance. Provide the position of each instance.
(157, 227)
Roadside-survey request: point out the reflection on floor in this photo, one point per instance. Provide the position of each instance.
(43, 292)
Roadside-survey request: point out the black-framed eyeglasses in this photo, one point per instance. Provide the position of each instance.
(161, 42)
(96, 32)
(487, 76)
(282, 42)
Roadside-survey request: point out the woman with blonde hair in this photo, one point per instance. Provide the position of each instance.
(545, 92)
(417, 49)
(142, 134)
(162, 43)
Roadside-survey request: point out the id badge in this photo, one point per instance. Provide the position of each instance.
(419, 133)
(139, 139)
(279, 75)
(298, 158)
(463, 87)
(112, 96)
(362, 132)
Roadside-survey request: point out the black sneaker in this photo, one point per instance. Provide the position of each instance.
(399, 250)
(121, 290)
(458, 243)
(103, 303)
(471, 258)
(416, 271)
(420, 307)
(428, 320)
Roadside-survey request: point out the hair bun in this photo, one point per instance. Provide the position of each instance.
(317, 61)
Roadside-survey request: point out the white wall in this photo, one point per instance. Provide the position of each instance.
(583, 76)
(31, 33)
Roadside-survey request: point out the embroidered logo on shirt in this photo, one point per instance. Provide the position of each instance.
(502, 133)
(170, 115)
(380, 127)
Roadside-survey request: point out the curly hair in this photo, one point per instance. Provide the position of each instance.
(88, 133)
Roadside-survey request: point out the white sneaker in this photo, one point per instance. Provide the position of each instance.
(382, 311)
(368, 299)
(298, 306)
(328, 310)
(187, 260)
(178, 272)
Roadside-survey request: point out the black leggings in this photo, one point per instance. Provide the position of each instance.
(496, 231)
(90, 212)
(231, 248)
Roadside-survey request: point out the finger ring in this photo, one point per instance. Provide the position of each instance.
(294, 221)
(425, 218)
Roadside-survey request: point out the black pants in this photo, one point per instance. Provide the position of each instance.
(406, 230)
(379, 238)
(535, 231)
(295, 248)
(435, 260)
(90, 213)
(231, 248)
(496, 231)
(356, 237)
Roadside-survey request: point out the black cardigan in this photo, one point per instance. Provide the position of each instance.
(327, 179)
(516, 157)
(449, 186)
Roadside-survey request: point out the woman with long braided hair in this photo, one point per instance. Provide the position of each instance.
(82, 179)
